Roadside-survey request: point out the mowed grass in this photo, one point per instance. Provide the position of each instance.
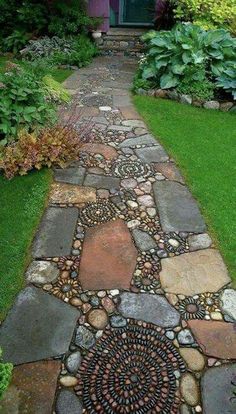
(22, 201)
(203, 144)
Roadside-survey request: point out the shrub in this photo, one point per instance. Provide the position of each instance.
(171, 53)
(77, 50)
(208, 14)
(196, 84)
(5, 375)
(15, 41)
(23, 103)
(58, 145)
(55, 90)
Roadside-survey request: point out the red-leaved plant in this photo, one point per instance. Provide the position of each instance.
(58, 145)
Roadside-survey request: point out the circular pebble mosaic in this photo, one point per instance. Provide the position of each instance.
(132, 169)
(98, 213)
(131, 370)
(191, 308)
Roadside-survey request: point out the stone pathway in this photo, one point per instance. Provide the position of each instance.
(128, 306)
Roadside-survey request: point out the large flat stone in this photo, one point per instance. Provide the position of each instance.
(32, 389)
(55, 234)
(38, 326)
(216, 339)
(143, 240)
(70, 175)
(41, 272)
(148, 308)
(218, 390)
(177, 208)
(62, 193)
(228, 303)
(109, 257)
(192, 273)
(102, 181)
(152, 154)
(142, 140)
(108, 152)
(128, 112)
(170, 171)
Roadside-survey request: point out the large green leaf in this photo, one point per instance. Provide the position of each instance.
(149, 72)
(168, 80)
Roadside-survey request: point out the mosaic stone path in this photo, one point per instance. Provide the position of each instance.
(128, 306)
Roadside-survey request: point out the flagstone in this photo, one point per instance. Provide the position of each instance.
(67, 399)
(169, 170)
(41, 272)
(71, 194)
(218, 390)
(152, 154)
(192, 273)
(216, 339)
(109, 257)
(38, 326)
(228, 303)
(70, 175)
(149, 308)
(32, 388)
(102, 181)
(55, 234)
(177, 208)
(129, 112)
(108, 152)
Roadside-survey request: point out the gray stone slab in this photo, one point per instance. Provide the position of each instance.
(68, 403)
(56, 231)
(177, 209)
(148, 308)
(102, 181)
(121, 100)
(146, 139)
(38, 326)
(70, 175)
(143, 240)
(121, 128)
(152, 154)
(218, 390)
(41, 272)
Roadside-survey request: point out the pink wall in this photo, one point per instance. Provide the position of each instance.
(98, 8)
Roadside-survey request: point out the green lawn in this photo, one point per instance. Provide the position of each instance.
(22, 203)
(203, 144)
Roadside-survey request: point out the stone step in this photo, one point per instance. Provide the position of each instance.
(126, 41)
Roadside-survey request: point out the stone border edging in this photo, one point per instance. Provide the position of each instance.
(224, 106)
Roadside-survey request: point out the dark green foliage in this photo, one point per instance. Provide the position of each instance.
(171, 53)
(15, 41)
(5, 375)
(22, 103)
(196, 84)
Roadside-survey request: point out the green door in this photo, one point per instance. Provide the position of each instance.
(137, 12)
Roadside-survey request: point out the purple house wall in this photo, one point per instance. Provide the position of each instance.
(98, 8)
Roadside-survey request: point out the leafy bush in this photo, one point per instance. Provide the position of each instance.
(5, 375)
(227, 81)
(77, 50)
(55, 90)
(51, 146)
(171, 53)
(208, 14)
(15, 41)
(196, 84)
(22, 103)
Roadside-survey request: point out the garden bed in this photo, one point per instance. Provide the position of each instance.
(221, 105)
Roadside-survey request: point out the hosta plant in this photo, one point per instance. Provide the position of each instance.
(170, 54)
(5, 375)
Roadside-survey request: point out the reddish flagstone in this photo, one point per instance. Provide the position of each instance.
(169, 170)
(217, 339)
(108, 258)
(32, 388)
(108, 152)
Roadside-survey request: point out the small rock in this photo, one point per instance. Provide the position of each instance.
(216, 316)
(84, 338)
(143, 240)
(68, 381)
(129, 183)
(186, 99)
(146, 187)
(228, 300)
(76, 302)
(184, 409)
(42, 272)
(185, 337)
(151, 212)
(199, 241)
(212, 105)
(193, 358)
(67, 399)
(108, 304)
(189, 389)
(146, 200)
(98, 319)
(132, 224)
(118, 321)
(73, 362)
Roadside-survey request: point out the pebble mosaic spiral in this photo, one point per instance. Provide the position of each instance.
(98, 213)
(131, 370)
(131, 169)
